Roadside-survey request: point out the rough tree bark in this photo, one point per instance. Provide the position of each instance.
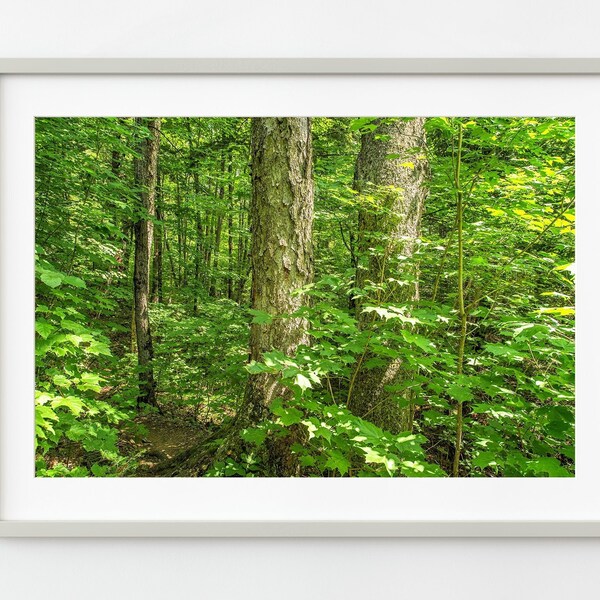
(392, 169)
(145, 176)
(281, 255)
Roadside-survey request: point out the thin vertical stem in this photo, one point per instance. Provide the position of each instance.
(462, 315)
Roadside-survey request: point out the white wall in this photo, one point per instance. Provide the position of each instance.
(328, 569)
(299, 569)
(300, 28)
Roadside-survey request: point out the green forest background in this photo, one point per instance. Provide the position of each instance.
(424, 325)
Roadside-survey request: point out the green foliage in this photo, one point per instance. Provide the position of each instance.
(208, 381)
(517, 386)
(68, 411)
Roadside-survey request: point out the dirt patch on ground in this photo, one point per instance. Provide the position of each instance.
(166, 437)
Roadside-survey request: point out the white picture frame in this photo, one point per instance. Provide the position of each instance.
(434, 527)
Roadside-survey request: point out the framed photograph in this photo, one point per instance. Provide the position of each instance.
(299, 297)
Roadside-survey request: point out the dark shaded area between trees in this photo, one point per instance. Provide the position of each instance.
(312, 297)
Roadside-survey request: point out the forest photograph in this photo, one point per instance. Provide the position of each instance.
(305, 296)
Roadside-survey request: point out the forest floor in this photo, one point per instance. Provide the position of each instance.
(166, 436)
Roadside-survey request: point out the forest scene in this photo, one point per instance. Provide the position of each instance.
(305, 297)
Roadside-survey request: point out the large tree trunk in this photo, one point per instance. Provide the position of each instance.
(282, 257)
(145, 176)
(391, 169)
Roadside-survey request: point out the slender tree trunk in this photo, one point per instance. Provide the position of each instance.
(145, 175)
(392, 169)
(116, 159)
(197, 260)
(157, 267)
(198, 249)
(282, 257)
(242, 253)
(214, 287)
(230, 233)
(208, 236)
(184, 250)
(193, 154)
(174, 279)
(462, 310)
(133, 337)
(179, 232)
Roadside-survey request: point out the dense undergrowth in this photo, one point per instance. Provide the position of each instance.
(515, 390)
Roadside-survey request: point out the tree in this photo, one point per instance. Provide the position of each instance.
(157, 261)
(281, 255)
(460, 326)
(145, 168)
(391, 171)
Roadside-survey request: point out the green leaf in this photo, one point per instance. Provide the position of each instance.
(371, 431)
(558, 310)
(98, 471)
(43, 328)
(459, 393)
(337, 461)
(502, 350)
(74, 404)
(74, 281)
(61, 381)
(318, 431)
(302, 382)
(486, 459)
(288, 416)
(97, 348)
(254, 368)
(307, 461)
(550, 466)
(558, 429)
(422, 342)
(254, 436)
(363, 124)
(415, 468)
(373, 456)
(89, 381)
(260, 317)
(51, 278)
(374, 362)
